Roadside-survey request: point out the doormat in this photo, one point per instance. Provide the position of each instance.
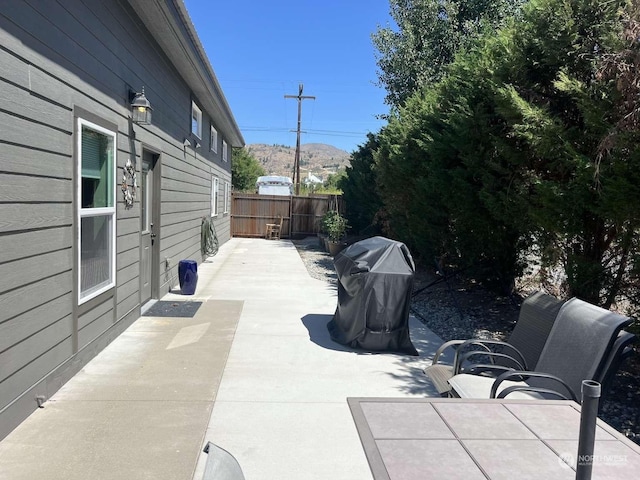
(173, 309)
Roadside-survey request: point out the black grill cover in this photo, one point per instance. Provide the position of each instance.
(375, 282)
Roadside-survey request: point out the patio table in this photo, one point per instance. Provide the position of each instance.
(450, 438)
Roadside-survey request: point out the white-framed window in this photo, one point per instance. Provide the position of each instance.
(213, 140)
(96, 209)
(227, 196)
(225, 151)
(214, 196)
(196, 120)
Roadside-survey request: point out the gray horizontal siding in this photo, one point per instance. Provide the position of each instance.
(41, 137)
(23, 188)
(12, 247)
(128, 288)
(96, 321)
(122, 211)
(34, 371)
(223, 229)
(180, 241)
(128, 258)
(26, 160)
(58, 57)
(18, 217)
(169, 208)
(127, 242)
(19, 100)
(127, 304)
(96, 328)
(172, 196)
(26, 271)
(127, 273)
(187, 187)
(186, 195)
(35, 220)
(127, 226)
(33, 346)
(23, 299)
(29, 323)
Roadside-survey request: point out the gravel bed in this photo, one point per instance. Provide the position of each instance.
(455, 310)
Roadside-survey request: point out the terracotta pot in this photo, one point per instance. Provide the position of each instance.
(336, 247)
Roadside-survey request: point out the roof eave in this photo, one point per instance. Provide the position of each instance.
(169, 23)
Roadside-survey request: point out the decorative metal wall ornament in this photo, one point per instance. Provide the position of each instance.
(129, 183)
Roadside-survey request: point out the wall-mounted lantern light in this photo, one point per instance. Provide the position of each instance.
(140, 108)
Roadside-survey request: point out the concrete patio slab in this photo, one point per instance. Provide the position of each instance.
(289, 440)
(80, 440)
(138, 410)
(286, 368)
(254, 371)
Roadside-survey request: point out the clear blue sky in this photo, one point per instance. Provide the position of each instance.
(262, 50)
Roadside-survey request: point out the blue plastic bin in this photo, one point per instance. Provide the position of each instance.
(188, 276)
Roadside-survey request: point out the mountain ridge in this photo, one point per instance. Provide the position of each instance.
(318, 159)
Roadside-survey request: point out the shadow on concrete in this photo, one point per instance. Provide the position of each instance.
(425, 341)
(316, 324)
(414, 380)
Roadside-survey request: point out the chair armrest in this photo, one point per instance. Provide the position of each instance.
(525, 374)
(486, 344)
(465, 357)
(527, 388)
(478, 368)
(443, 347)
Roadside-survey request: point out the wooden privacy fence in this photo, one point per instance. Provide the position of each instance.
(251, 212)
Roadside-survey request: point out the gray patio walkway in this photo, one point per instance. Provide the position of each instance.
(253, 371)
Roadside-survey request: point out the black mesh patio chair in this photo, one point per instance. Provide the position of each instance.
(585, 343)
(621, 350)
(522, 350)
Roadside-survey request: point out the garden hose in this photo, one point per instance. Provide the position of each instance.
(208, 238)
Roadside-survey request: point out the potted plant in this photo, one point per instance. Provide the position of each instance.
(336, 226)
(322, 231)
(327, 219)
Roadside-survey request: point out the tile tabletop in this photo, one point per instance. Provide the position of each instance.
(409, 438)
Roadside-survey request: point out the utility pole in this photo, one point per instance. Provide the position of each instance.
(296, 162)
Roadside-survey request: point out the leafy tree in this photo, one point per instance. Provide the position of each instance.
(245, 170)
(526, 140)
(427, 37)
(363, 203)
(331, 184)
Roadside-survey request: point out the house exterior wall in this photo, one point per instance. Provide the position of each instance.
(60, 61)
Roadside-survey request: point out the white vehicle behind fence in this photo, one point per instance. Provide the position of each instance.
(274, 185)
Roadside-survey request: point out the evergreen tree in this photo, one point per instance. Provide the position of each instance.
(359, 188)
(438, 157)
(524, 140)
(562, 111)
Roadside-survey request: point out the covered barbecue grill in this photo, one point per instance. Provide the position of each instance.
(375, 282)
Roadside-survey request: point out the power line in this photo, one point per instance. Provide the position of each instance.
(325, 133)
